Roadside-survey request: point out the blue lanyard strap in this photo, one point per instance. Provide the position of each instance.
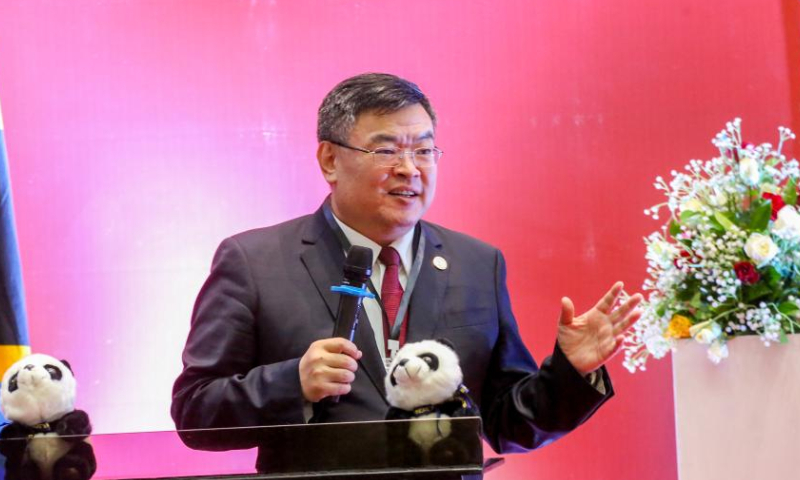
(352, 291)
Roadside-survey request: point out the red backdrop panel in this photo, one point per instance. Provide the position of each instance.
(142, 133)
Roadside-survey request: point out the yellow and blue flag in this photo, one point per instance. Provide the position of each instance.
(14, 343)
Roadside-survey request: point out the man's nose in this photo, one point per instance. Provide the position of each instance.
(407, 165)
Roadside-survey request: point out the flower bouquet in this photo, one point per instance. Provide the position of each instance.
(727, 261)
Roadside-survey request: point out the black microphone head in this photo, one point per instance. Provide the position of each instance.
(358, 264)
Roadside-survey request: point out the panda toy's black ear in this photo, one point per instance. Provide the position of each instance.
(66, 364)
(446, 343)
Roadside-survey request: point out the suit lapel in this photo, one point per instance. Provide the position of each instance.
(371, 361)
(323, 257)
(426, 300)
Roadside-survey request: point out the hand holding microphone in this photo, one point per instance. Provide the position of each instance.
(328, 367)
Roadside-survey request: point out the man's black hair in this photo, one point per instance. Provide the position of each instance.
(369, 92)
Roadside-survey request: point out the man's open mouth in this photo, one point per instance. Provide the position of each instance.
(404, 193)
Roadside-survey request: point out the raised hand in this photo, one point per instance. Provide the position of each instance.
(591, 339)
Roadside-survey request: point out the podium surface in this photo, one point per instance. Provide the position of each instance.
(399, 449)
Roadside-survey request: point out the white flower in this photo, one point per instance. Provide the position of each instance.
(717, 351)
(718, 198)
(771, 188)
(760, 248)
(788, 222)
(705, 332)
(749, 171)
(661, 252)
(658, 346)
(662, 248)
(692, 205)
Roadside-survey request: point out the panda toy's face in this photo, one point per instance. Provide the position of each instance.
(423, 373)
(37, 389)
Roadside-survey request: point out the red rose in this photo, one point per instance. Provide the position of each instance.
(684, 259)
(777, 203)
(746, 272)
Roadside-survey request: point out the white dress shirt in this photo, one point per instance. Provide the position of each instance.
(405, 247)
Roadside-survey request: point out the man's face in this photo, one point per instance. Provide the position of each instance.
(382, 203)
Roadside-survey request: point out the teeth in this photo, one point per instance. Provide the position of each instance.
(404, 194)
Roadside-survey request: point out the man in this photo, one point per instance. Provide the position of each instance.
(259, 351)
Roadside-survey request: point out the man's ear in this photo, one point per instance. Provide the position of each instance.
(326, 157)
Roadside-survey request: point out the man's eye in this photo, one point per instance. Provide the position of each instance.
(386, 151)
(423, 151)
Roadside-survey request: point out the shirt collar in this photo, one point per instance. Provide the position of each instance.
(403, 245)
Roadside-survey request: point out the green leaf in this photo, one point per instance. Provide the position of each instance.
(723, 220)
(754, 292)
(715, 225)
(690, 217)
(783, 338)
(674, 228)
(684, 295)
(695, 302)
(689, 291)
(790, 192)
(788, 308)
(771, 276)
(760, 213)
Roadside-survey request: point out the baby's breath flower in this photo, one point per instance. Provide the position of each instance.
(718, 220)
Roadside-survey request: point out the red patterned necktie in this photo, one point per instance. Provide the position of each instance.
(391, 295)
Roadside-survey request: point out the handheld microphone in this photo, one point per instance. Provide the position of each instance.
(357, 270)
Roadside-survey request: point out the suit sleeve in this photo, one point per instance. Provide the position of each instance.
(525, 406)
(222, 384)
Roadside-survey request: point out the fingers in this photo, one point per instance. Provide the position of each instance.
(567, 312)
(339, 345)
(624, 323)
(626, 314)
(328, 368)
(609, 299)
(626, 308)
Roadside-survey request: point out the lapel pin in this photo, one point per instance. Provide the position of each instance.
(440, 263)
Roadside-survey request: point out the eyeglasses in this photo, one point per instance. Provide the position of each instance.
(423, 157)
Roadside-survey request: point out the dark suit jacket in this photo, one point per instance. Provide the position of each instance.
(268, 298)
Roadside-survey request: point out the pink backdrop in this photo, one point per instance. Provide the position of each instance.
(141, 133)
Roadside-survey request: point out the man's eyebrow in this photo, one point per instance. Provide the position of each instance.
(385, 137)
(425, 136)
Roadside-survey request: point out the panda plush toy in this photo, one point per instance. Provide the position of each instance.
(424, 381)
(46, 439)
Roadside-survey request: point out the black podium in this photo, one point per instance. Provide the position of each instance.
(444, 449)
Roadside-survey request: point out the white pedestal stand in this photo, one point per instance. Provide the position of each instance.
(739, 419)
